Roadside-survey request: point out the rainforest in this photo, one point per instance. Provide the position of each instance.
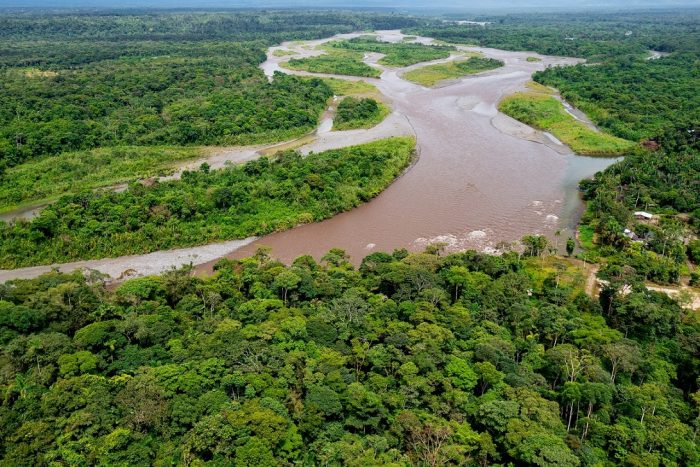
(344, 237)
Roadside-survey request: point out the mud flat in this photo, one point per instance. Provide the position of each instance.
(125, 267)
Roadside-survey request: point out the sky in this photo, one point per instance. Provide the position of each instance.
(397, 4)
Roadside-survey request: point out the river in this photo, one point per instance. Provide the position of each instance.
(473, 186)
(481, 178)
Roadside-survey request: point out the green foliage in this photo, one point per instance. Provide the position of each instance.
(333, 64)
(78, 81)
(535, 245)
(259, 197)
(547, 113)
(73, 172)
(433, 74)
(694, 251)
(381, 365)
(157, 27)
(344, 87)
(632, 97)
(423, 359)
(395, 54)
(76, 364)
(664, 181)
(359, 113)
(625, 93)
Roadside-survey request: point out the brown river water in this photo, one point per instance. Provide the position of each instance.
(481, 178)
(473, 185)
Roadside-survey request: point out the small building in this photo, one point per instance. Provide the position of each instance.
(643, 215)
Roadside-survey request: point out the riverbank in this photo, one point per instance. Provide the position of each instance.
(126, 267)
(548, 114)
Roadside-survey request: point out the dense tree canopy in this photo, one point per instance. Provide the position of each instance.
(358, 113)
(205, 102)
(412, 359)
(666, 182)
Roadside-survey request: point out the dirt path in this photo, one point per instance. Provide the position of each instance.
(691, 299)
(591, 271)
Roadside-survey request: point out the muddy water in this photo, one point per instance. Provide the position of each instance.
(25, 212)
(473, 185)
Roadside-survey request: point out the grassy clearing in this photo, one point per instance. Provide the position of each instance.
(547, 113)
(433, 74)
(50, 177)
(355, 113)
(283, 53)
(540, 88)
(564, 271)
(586, 236)
(333, 64)
(343, 87)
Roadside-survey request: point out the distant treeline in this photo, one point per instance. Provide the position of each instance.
(594, 36)
(244, 25)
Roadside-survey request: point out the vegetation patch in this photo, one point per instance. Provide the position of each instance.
(586, 236)
(72, 172)
(633, 98)
(533, 59)
(664, 182)
(395, 54)
(539, 88)
(355, 113)
(333, 64)
(344, 87)
(36, 73)
(283, 53)
(432, 74)
(548, 114)
(593, 36)
(259, 197)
